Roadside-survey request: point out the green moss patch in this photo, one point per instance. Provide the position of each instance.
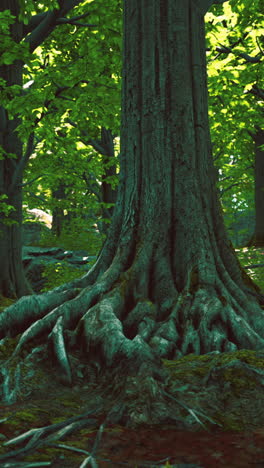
(228, 386)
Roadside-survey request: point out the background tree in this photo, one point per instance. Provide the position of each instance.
(235, 65)
(73, 113)
(15, 53)
(12, 280)
(258, 236)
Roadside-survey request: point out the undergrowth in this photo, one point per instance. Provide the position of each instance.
(253, 256)
(76, 235)
(61, 272)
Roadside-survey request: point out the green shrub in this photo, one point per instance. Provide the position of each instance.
(253, 256)
(76, 235)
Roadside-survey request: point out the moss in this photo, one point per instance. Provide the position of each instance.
(5, 302)
(188, 366)
(28, 416)
(201, 363)
(229, 421)
(192, 365)
(59, 273)
(245, 355)
(68, 403)
(57, 419)
(23, 418)
(75, 236)
(232, 385)
(7, 347)
(46, 454)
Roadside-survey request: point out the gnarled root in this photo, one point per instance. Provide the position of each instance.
(131, 318)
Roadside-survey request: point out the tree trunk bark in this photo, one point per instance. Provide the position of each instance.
(12, 278)
(167, 281)
(108, 192)
(58, 216)
(258, 236)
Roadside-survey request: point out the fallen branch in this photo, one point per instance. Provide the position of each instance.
(44, 435)
(259, 265)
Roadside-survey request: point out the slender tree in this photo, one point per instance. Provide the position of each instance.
(12, 280)
(166, 282)
(258, 236)
(235, 71)
(13, 159)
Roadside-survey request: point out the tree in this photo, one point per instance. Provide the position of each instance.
(104, 192)
(13, 157)
(12, 280)
(258, 236)
(166, 282)
(235, 66)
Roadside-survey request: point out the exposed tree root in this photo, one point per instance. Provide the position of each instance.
(130, 318)
(28, 309)
(48, 435)
(42, 436)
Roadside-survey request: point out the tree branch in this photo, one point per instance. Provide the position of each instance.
(217, 2)
(33, 180)
(46, 23)
(33, 23)
(78, 17)
(37, 19)
(104, 146)
(256, 91)
(258, 265)
(92, 186)
(227, 50)
(38, 197)
(43, 30)
(74, 22)
(229, 188)
(22, 163)
(204, 5)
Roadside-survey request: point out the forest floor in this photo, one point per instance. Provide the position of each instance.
(211, 386)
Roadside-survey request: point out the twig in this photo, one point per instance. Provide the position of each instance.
(192, 412)
(259, 265)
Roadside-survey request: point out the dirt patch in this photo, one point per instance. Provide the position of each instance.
(214, 385)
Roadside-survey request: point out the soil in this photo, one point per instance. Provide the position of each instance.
(217, 385)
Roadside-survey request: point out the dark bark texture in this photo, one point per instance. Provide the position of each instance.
(258, 236)
(58, 216)
(12, 279)
(167, 281)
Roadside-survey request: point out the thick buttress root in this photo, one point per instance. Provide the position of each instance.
(129, 319)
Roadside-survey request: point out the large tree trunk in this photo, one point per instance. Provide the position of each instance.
(12, 278)
(167, 282)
